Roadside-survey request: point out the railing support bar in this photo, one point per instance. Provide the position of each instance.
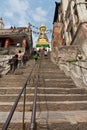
(32, 126)
(23, 125)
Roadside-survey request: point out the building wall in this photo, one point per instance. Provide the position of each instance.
(57, 34)
(74, 28)
(82, 10)
(81, 39)
(74, 22)
(74, 13)
(64, 9)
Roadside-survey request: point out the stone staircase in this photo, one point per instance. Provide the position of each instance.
(10, 86)
(60, 104)
(65, 103)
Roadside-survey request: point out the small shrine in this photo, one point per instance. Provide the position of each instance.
(42, 41)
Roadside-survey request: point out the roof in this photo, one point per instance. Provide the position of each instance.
(13, 35)
(13, 30)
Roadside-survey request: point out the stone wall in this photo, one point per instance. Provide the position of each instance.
(81, 39)
(4, 66)
(65, 53)
(68, 52)
(78, 74)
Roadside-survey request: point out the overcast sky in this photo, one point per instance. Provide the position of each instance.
(21, 12)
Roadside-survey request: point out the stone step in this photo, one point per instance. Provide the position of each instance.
(12, 76)
(57, 76)
(70, 120)
(12, 85)
(60, 85)
(47, 105)
(74, 120)
(16, 126)
(48, 72)
(54, 77)
(42, 90)
(62, 126)
(12, 81)
(71, 116)
(45, 75)
(52, 81)
(45, 97)
(48, 83)
(60, 104)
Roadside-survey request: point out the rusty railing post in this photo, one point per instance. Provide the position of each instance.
(24, 100)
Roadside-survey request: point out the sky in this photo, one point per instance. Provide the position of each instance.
(19, 13)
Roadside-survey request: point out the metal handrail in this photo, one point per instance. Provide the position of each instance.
(79, 66)
(32, 124)
(33, 116)
(75, 65)
(6, 124)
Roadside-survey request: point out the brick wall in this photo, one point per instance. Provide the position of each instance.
(57, 34)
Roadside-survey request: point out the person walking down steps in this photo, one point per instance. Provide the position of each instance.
(13, 62)
(36, 56)
(20, 56)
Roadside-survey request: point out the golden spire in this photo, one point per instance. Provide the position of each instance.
(42, 40)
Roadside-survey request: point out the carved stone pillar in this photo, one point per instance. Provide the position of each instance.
(24, 42)
(7, 42)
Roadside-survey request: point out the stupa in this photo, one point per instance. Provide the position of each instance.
(42, 41)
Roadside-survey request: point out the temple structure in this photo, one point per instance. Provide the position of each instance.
(14, 39)
(42, 41)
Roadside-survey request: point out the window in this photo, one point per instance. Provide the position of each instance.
(86, 3)
(71, 33)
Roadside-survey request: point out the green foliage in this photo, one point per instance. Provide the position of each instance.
(42, 45)
(71, 60)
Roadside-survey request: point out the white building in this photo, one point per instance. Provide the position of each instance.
(1, 24)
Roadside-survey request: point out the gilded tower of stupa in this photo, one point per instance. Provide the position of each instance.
(42, 41)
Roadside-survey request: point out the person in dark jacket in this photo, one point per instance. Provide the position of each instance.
(13, 62)
(25, 58)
